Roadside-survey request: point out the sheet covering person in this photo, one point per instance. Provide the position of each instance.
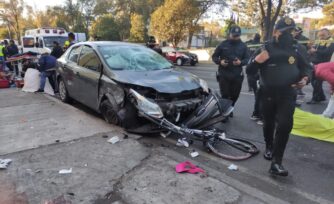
(311, 125)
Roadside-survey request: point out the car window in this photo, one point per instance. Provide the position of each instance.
(74, 54)
(89, 59)
(128, 57)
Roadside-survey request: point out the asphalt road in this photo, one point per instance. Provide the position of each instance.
(310, 162)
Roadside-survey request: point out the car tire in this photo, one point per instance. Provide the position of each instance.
(108, 113)
(63, 93)
(193, 63)
(179, 62)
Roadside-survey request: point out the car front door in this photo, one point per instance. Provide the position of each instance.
(71, 73)
(89, 76)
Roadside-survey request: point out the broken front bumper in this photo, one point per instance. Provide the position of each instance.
(180, 106)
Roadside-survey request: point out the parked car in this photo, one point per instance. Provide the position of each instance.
(114, 78)
(179, 58)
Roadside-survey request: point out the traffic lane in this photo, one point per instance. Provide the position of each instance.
(309, 161)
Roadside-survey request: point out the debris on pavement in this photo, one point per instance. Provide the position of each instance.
(194, 154)
(188, 167)
(114, 140)
(4, 163)
(58, 200)
(65, 171)
(126, 136)
(182, 142)
(233, 167)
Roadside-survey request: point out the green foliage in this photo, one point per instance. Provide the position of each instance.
(137, 32)
(172, 21)
(105, 28)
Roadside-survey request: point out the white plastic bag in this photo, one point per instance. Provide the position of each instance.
(32, 80)
(329, 112)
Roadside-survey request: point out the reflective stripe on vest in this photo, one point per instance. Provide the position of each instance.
(1, 50)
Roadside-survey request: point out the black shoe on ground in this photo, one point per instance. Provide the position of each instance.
(278, 170)
(39, 91)
(268, 154)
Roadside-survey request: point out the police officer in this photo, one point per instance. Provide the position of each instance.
(230, 56)
(282, 69)
(70, 41)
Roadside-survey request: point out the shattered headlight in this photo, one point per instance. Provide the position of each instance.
(146, 106)
(204, 85)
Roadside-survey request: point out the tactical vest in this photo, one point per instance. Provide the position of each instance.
(281, 69)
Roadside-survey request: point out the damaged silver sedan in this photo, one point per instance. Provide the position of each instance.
(136, 88)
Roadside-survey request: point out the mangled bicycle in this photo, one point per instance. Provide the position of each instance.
(198, 127)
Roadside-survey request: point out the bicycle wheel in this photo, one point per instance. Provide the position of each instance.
(232, 149)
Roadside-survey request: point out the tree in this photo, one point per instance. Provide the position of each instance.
(203, 6)
(137, 32)
(172, 20)
(11, 14)
(328, 12)
(106, 28)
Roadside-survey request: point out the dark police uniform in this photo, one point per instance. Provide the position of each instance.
(230, 78)
(285, 67)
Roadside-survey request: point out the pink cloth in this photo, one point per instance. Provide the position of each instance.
(188, 167)
(325, 71)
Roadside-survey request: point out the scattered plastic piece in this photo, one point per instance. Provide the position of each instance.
(4, 163)
(182, 142)
(188, 167)
(194, 154)
(114, 140)
(233, 167)
(65, 171)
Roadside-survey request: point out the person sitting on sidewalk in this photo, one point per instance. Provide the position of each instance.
(47, 65)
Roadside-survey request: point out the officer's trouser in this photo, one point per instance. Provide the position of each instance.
(318, 92)
(278, 107)
(230, 87)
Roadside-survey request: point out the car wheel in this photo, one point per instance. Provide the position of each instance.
(179, 62)
(64, 97)
(193, 63)
(108, 113)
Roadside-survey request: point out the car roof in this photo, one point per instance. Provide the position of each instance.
(107, 43)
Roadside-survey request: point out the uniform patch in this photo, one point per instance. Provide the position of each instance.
(288, 21)
(291, 60)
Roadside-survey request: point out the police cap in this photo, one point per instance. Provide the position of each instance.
(284, 24)
(235, 31)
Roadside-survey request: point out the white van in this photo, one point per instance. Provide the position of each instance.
(41, 40)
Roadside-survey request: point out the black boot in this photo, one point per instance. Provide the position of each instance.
(278, 170)
(268, 153)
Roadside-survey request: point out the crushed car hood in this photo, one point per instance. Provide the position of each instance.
(163, 81)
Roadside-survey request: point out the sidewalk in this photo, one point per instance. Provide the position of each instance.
(98, 167)
(136, 170)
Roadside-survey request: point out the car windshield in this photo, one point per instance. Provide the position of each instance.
(48, 41)
(139, 58)
(168, 49)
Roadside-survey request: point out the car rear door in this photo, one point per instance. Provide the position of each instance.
(71, 69)
(89, 75)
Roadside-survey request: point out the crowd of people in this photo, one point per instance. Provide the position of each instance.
(276, 72)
